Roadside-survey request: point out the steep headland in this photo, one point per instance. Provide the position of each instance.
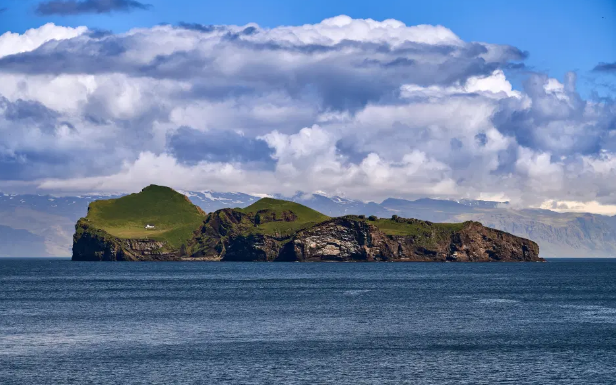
(155, 224)
(161, 224)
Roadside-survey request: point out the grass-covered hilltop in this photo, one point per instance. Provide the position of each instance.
(156, 223)
(160, 224)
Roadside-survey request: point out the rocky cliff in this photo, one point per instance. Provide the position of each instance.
(224, 237)
(345, 239)
(91, 244)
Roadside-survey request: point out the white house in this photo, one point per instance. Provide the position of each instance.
(149, 227)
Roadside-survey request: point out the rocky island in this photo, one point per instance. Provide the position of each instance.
(160, 224)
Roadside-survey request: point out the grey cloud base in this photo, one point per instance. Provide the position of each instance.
(77, 7)
(606, 67)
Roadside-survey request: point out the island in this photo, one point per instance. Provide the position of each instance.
(160, 224)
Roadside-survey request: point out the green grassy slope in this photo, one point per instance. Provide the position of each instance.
(305, 216)
(426, 234)
(391, 227)
(173, 215)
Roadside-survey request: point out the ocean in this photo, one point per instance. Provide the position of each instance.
(64, 322)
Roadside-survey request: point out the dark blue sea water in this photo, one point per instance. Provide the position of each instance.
(289, 323)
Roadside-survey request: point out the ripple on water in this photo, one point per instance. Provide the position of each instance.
(239, 323)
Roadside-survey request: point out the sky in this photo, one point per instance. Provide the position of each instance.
(480, 99)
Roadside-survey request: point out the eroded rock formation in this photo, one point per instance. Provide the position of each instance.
(90, 244)
(347, 239)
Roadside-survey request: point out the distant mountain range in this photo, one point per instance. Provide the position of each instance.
(40, 226)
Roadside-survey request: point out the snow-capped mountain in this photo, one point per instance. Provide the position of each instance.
(211, 201)
(482, 204)
(336, 206)
(43, 225)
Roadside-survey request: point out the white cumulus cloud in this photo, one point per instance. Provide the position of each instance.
(368, 109)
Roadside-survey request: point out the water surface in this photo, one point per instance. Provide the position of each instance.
(292, 323)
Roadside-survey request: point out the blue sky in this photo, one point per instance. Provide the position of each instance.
(494, 100)
(560, 35)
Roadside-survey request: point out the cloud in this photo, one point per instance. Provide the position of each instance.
(13, 43)
(78, 7)
(605, 67)
(192, 146)
(198, 27)
(369, 109)
(557, 120)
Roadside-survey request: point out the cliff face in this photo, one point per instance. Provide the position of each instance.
(479, 243)
(559, 234)
(90, 244)
(340, 239)
(347, 239)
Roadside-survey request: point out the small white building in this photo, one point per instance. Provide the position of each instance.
(149, 227)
